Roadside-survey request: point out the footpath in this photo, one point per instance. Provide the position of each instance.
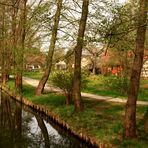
(34, 83)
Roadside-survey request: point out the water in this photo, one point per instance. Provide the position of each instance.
(20, 127)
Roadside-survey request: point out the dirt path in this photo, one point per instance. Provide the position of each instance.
(34, 83)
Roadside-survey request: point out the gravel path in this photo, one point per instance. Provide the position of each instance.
(34, 83)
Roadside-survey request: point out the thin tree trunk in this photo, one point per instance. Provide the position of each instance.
(18, 120)
(45, 76)
(4, 58)
(13, 30)
(43, 130)
(130, 113)
(78, 54)
(94, 63)
(20, 48)
(68, 98)
(14, 38)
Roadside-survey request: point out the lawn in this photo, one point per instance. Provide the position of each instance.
(111, 86)
(33, 74)
(103, 85)
(101, 120)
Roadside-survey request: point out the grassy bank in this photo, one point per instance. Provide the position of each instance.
(33, 74)
(101, 120)
(110, 86)
(104, 86)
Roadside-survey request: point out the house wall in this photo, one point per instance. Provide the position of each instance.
(144, 72)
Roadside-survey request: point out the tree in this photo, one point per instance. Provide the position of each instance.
(94, 53)
(4, 42)
(41, 85)
(63, 80)
(20, 45)
(130, 112)
(78, 53)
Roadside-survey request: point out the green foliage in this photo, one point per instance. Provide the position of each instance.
(100, 120)
(117, 83)
(98, 84)
(11, 84)
(84, 76)
(63, 80)
(113, 86)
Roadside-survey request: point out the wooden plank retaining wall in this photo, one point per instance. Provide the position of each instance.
(42, 109)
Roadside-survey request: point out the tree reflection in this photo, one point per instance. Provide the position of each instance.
(43, 130)
(24, 128)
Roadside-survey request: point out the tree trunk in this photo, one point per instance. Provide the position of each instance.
(94, 64)
(68, 98)
(4, 58)
(78, 54)
(45, 76)
(146, 121)
(3, 64)
(20, 47)
(18, 83)
(43, 130)
(18, 120)
(130, 113)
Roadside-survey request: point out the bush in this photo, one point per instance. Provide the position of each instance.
(117, 83)
(63, 80)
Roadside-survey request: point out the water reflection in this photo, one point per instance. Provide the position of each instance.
(23, 128)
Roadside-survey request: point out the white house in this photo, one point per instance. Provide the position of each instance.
(144, 72)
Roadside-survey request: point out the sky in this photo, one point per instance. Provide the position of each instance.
(45, 45)
(122, 1)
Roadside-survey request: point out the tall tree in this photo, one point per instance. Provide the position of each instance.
(130, 113)
(4, 40)
(19, 46)
(49, 59)
(3, 44)
(78, 53)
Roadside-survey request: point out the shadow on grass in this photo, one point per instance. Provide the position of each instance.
(101, 120)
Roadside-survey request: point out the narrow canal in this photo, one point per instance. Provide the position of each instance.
(21, 127)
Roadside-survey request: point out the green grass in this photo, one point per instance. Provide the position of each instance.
(101, 120)
(143, 94)
(11, 84)
(96, 85)
(33, 74)
(111, 93)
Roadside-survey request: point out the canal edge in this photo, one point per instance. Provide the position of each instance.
(44, 110)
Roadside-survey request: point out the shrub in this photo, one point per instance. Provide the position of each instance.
(117, 83)
(63, 80)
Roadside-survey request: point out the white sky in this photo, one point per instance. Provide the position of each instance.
(45, 44)
(122, 1)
